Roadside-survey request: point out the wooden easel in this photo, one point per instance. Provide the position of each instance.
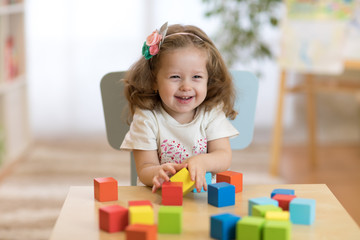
(310, 88)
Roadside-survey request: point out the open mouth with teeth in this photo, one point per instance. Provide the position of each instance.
(184, 99)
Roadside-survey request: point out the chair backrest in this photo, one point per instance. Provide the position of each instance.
(114, 103)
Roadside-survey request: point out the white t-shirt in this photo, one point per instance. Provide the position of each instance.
(175, 142)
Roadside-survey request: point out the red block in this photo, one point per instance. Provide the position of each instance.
(284, 200)
(140, 203)
(141, 232)
(172, 193)
(105, 189)
(231, 177)
(113, 218)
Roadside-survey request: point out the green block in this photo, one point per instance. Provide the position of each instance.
(277, 230)
(260, 210)
(249, 228)
(170, 219)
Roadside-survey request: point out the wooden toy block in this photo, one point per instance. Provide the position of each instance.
(223, 226)
(221, 194)
(280, 216)
(250, 228)
(170, 219)
(284, 200)
(172, 193)
(260, 201)
(277, 230)
(260, 210)
(282, 191)
(141, 215)
(302, 211)
(208, 178)
(113, 218)
(140, 203)
(141, 232)
(234, 178)
(184, 176)
(105, 189)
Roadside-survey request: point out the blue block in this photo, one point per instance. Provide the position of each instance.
(223, 226)
(221, 194)
(302, 211)
(208, 178)
(282, 191)
(261, 201)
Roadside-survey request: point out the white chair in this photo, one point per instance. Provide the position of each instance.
(115, 110)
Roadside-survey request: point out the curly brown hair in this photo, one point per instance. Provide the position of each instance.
(140, 79)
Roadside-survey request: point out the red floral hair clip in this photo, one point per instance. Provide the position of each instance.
(153, 42)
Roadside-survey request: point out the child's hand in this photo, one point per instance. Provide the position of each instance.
(164, 172)
(197, 170)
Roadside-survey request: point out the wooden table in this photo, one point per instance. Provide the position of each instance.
(79, 216)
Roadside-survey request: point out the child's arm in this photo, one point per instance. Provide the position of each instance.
(218, 159)
(149, 170)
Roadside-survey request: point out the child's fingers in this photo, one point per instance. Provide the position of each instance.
(169, 168)
(163, 175)
(200, 181)
(192, 174)
(157, 182)
(153, 190)
(205, 186)
(180, 166)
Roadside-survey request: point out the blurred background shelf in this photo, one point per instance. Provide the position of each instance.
(14, 121)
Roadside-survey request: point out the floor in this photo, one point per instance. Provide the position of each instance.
(338, 167)
(32, 193)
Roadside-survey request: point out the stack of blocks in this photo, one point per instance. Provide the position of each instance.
(302, 210)
(222, 193)
(269, 218)
(231, 177)
(138, 220)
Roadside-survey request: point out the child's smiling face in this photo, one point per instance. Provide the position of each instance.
(182, 82)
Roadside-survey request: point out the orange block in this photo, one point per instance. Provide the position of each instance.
(105, 189)
(141, 232)
(231, 177)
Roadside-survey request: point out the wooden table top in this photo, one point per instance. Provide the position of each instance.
(79, 216)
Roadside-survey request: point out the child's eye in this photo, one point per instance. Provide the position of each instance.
(175, 76)
(197, 76)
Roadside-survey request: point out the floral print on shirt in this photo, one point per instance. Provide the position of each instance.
(172, 151)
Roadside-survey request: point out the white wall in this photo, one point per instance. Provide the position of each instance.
(73, 43)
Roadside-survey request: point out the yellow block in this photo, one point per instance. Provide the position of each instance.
(141, 215)
(272, 215)
(184, 176)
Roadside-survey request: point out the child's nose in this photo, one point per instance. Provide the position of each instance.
(185, 86)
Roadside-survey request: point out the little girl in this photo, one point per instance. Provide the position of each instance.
(180, 94)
